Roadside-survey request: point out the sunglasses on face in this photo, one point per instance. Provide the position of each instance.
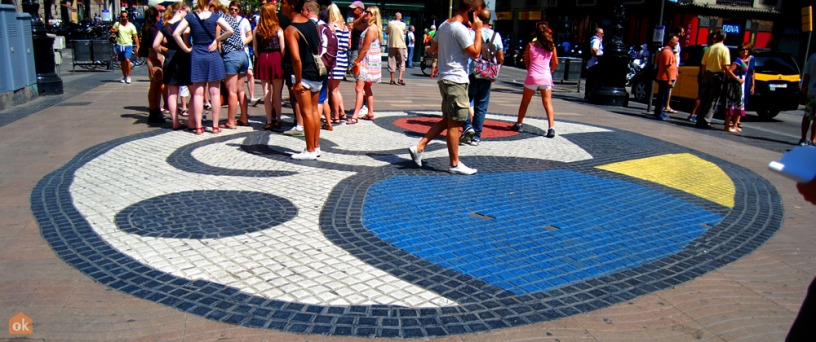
(233, 9)
(369, 12)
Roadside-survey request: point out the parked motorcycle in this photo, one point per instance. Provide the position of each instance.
(636, 66)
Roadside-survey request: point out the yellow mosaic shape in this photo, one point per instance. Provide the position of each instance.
(685, 172)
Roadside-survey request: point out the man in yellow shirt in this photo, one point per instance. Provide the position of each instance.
(126, 37)
(715, 70)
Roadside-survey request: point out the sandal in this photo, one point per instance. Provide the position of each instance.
(393, 83)
(739, 124)
(239, 123)
(233, 126)
(401, 82)
(199, 131)
(669, 110)
(278, 124)
(335, 121)
(216, 130)
(184, 112)
(351, 121)
(176, 128)
(327, 127)
(367, 117)
(269, 126)
(343, 117)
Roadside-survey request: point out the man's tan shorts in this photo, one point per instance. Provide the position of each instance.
(395, 54)
(455, 102)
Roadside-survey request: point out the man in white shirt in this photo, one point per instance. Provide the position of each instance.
(411, 42)
(596, 49)
(455, 46)
(397, 50)
(809, 91)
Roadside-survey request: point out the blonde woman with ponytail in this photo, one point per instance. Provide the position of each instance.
(368, 65)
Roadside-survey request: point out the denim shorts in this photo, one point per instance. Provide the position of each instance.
(124, 52)
(236, 62)
(323, 90)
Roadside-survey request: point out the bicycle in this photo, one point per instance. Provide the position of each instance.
(135, 60)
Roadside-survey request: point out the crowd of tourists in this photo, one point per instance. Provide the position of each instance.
(213, 52)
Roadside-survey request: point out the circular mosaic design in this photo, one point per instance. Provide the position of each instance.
(548, 228)
(205, 214)
(490, 128)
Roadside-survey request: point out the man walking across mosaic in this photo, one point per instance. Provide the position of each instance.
(454, 46)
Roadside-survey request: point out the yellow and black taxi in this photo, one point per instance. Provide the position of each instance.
(776, 87)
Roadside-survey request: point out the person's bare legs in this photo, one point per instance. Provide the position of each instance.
(126, 67)
(546, 99)
(277, 101)
(369, 96)
(250, 84)
(311, 118)
(454, 130)
(808, 124)
(172, 104)
(184, 101)
(526, 96)
(667, 107)
(242, 99)
(215, 101)
(267, 101)
(232, 100)
(336, 98)
(696, 106)
(296, 109)
(197, 92)
(359, 91)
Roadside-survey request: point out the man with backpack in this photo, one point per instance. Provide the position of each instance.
(327, 44)
(482, 75)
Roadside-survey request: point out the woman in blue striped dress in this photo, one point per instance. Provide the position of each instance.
(338, 25)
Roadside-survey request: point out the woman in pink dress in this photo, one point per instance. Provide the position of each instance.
(541, 59)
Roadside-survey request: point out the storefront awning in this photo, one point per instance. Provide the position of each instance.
(389, 6)
(730, 8)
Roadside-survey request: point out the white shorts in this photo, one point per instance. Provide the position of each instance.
(184, 91)
(313, 86)
(536, 86)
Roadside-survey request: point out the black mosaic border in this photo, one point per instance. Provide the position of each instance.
(756, 216)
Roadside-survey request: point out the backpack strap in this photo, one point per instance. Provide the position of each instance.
(493, 37)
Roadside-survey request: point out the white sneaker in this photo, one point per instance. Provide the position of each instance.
(295, 132)
(305, 155)
(364, 110)
(462, 169)
(415, 155)
(127, 80)
(317, 151)
(123, 80)
(254, 101)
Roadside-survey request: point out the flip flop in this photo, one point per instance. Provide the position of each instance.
(239, 123)
(327, 127)
(226, 126)
(351, 121)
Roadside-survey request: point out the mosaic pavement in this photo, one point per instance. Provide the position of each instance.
(361, 242)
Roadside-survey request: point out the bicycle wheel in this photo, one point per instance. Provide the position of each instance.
(138, 61)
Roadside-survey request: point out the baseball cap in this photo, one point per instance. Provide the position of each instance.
(357, 4)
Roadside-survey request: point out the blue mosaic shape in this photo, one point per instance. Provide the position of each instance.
(604, 226)
(205, 214)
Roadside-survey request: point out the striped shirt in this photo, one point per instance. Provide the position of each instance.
(339, 70)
